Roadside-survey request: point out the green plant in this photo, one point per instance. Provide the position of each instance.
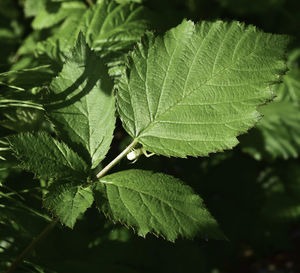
(188, 92)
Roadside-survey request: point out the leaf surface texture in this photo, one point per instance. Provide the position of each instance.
(68, 201)
(84, 107)
(155, 202)
(192, 91)
(46, 157)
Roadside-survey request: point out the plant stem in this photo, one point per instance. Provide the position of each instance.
(31, 246)
(117, 159)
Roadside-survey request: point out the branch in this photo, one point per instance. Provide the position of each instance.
(33, 243)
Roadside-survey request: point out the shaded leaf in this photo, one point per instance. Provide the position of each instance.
(68, 201)
(83, 109)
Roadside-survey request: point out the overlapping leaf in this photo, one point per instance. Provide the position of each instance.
(154, 202)
(68, 201)
(192, 91)
(83, 109)
(46, 157)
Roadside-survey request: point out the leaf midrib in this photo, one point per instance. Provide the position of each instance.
(151, 124)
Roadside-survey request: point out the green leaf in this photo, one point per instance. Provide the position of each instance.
(112, 26)
(154, 202)
(64, 38)
(192, 91)
(33, 7)
(46, 157)
(28, 78)
(84, 107)
(68, 201)
(112, 29)
(53, 13)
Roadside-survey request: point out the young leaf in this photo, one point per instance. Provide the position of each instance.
(154, 202)
(84, 106)
(192, 91)
(47, 157)
(68, 201)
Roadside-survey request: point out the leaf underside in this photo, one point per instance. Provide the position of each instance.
(156, 203)
(192, 91)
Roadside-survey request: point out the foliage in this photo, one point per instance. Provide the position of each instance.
(86, 83)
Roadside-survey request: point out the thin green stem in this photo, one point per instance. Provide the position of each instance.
(117, 159)
(33, 243)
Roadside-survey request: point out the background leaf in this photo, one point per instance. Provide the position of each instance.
(54, 13)
(191, 92)
(155, 202)
(112, 29)
(278, 133)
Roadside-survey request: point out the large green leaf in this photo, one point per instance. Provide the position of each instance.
(192, 91)
(68, 201)
(154, 202)
(46, 157)
(84, 107)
